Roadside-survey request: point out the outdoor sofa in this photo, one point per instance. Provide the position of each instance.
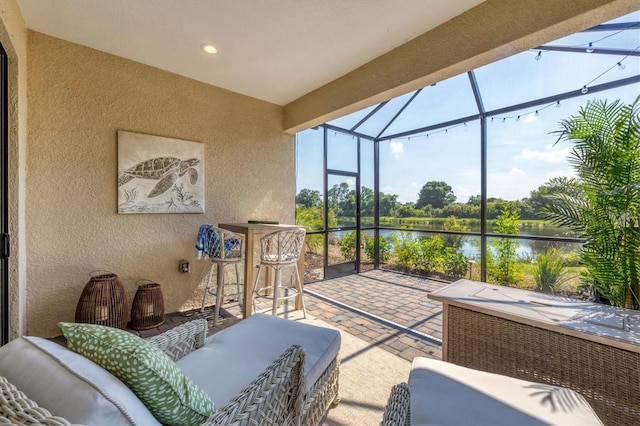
(263, 370)
(442, 393)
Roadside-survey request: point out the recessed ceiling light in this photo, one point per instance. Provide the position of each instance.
(209, 48)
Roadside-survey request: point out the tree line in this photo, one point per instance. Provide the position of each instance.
(435, 199)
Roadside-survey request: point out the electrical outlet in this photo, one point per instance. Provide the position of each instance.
(184, 266)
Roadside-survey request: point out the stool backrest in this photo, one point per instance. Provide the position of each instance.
(231, 248)
(282, 246)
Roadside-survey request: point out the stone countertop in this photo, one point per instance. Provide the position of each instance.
(547, 311)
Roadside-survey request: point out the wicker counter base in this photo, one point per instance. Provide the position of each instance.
(608, 377)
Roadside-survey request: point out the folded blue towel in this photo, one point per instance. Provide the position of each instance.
(208, 243)
(202, 241)
(229, 245)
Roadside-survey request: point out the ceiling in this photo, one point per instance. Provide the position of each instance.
(275, 50)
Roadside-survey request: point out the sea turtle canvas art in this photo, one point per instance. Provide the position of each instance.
(159, 175)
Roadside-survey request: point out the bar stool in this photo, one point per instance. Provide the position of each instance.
(280, 250)
(222, 248)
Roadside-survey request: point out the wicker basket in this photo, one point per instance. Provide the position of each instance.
(147, 310)
(103, 301)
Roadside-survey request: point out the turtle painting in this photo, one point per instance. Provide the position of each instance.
(166, 170)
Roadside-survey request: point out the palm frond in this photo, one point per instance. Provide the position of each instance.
(605, 155)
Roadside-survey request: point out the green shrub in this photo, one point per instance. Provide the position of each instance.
(548, 270)
(503, 264)
(348, 245)
(422, 253)
(572, 259)
(455, 264)
(405, 248)
(453, 240)
(384, 249)
(429, 257)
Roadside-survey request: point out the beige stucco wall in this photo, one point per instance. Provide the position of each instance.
(78, 99)
(13, 36)
(62, 170)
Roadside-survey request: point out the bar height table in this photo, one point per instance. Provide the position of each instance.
(253, 232)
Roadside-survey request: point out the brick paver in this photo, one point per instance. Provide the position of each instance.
(374, 296)
(357, 304)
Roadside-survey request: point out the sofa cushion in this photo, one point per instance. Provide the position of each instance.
(237, 355)
(69, 385)
(445, 394)
(170, 395)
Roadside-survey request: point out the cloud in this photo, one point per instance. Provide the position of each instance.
(554, 156)
(557, 173)
(463, 193)
(397, 148)
(516, 172)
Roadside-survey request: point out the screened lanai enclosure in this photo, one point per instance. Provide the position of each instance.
(446, 181)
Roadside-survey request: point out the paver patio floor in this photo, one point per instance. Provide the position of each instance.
(387, 309)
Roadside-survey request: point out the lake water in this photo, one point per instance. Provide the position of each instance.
(527, 249)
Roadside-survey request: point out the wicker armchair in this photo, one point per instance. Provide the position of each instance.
(274, 398)
(397, 412)
(17, 408)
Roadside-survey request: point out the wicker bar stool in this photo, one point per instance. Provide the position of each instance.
(280, 250)
(222, 248)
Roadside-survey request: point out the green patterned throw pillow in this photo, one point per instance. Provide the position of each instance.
(172, 397)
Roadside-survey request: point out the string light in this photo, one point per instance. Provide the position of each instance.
(585, 89)
(606, 37)
(618, 64)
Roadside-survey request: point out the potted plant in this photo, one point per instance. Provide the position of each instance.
(605, 212)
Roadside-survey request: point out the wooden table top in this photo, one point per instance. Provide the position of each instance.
(256, 227)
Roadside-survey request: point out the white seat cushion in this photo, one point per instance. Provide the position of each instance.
(447, 394)
(69, 385)
(234, 357)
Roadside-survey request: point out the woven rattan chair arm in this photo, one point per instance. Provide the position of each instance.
(17, 408)
(397, 412)
(182, 339)
(274, 398)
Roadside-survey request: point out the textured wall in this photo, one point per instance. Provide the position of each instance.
(13, 36)
(78, 99)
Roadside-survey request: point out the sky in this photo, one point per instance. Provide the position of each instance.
(522, 150)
